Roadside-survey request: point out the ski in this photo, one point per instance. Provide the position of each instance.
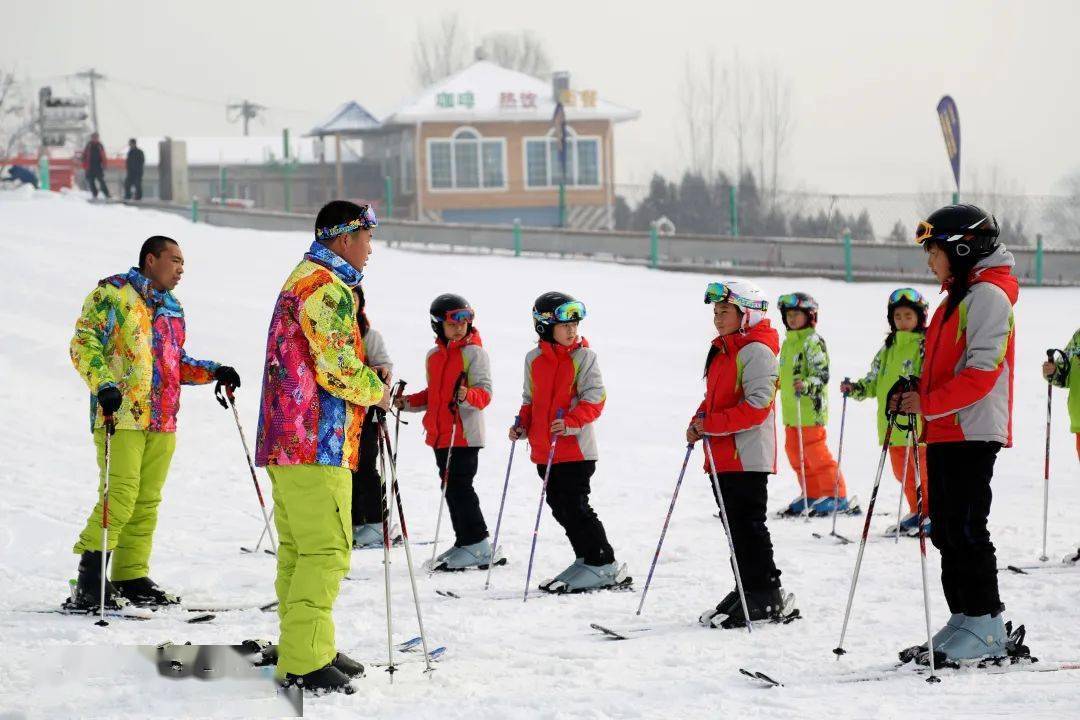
(441, 567)
(209, 608)
(756, 675)
(1026, 569)
(610, 634)
(252, 551)
(434, 656)
(138, 614)
(625, 585)
(837, 536)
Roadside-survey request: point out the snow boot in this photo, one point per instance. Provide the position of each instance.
(86, 594)
(561, 577)
(144, 592)
(796, 506)
(978, 638)
(368, 535)
(461, 557)
(908, 523)
(824, 506)
(768, 605)
(592, 577)
(327, 679)
(1072, 558)
(268, 655)
(946, 632)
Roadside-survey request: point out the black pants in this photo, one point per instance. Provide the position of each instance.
(132, 187)
(461, 499)
(93, 179)
(568, 498)
(367, 493)
(959, 475)
(745, 496)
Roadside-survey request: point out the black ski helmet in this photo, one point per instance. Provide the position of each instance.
(544, 321)
(966, 233)
(909, 298)
(798, 301)
(444, 304)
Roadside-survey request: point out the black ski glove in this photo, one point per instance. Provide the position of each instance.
(109, 398)
(226, 375)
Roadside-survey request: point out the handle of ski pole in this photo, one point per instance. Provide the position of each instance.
(462, 379)
(845, 382)
(110, 424)
(698, 416)
(224, 394)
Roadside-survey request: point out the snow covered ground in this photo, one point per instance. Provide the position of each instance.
(505, 659)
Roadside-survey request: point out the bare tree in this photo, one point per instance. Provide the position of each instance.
(742, 107)
(439, 51)
(521, 51)
(702, 94)
(777, 124)
(17, 116)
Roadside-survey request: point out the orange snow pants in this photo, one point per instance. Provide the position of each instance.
(820, 465)
(896, 457)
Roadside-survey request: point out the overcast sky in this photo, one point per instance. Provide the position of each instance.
(866, 76)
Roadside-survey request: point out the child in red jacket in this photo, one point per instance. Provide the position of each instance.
(737, 419)
(561, 373)
(458, 389)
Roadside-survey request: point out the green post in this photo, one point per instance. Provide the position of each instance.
(847, 255)
(194, 209)
(288, 170)
(43, 172)
(388, 195)
(517, 237)
(1038, 259)
(222, 177)
(562, 204)
(654, 245)
(733, 195)
(956, 198)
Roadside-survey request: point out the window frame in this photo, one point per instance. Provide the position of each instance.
(572, 137)
(478, 141)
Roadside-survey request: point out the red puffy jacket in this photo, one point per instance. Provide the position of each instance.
(445, 364)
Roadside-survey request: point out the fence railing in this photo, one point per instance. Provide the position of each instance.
(697, 253)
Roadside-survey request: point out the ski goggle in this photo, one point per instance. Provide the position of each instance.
(366, 221)
(572, 311)
(910, 294)
(461, 315)
(718, 292)
(792, 301)
(923, 232)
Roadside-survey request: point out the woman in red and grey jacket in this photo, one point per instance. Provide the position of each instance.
(738, 420)
(458, 389)
(561, 373)
(965, 396)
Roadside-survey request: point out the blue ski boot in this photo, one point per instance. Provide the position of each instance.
(593, 577)
(368, 535)
(796, 507)
(942, 635)
(825, 506)
(978, 638)
(461, 557)
(561, 577)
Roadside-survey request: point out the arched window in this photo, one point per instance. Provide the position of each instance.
(466, 161)
(543, 162)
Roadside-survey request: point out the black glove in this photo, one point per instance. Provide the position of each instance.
(109, 398)
(226, 375)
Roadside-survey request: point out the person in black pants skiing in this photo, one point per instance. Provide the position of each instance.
(965, 396)
(737, 419)
(94, 162)
(136, 160)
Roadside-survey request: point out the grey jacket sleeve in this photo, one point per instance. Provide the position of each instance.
(478, 376)
(375, 350)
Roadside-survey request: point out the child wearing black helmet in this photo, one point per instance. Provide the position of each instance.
(900, 356)
(458, 389)
(563, 396)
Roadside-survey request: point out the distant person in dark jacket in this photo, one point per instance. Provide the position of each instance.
(135, 162)
(18, 173)
(94, 165)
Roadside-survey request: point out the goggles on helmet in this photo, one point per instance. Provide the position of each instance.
(718, 292)
(572, 311)
(909, 294)
(461, 315)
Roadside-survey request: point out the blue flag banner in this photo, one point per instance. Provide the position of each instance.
(950, 128)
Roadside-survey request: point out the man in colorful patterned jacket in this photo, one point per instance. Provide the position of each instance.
(129, 348)
(317, 388)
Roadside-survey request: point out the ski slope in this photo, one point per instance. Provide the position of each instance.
(505, 658)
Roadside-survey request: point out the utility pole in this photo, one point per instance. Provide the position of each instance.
(248, 111)
(92, 75)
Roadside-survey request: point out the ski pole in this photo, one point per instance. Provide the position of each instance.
(398, 422)
(802, 457)
(261, 536)
(110, 428)
(1046, 464)
(839, 459)
(502, 504)
(903, 487)
(891, 419)
(727, 532)
(247, 454)
(446, 470)
(663, 530)
(920, 501)
(540, 508)
(391, 668)
(408, 548)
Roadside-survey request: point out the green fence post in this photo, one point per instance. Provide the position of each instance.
(562, 204)
(956, 198)
(733, 197)
(517, 237)
(222, 178)
(43, 172)
(194, 209)
(1038, 259)
(388, 195)
(654, 245)
(847, 255)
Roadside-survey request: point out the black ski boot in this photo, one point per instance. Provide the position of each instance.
(144, 592)
(345, 664)
(764, 605)
(86, 593)
(327, 679)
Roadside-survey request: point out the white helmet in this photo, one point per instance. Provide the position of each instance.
(743, 294)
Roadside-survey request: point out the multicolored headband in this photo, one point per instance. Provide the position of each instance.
(366, 221)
